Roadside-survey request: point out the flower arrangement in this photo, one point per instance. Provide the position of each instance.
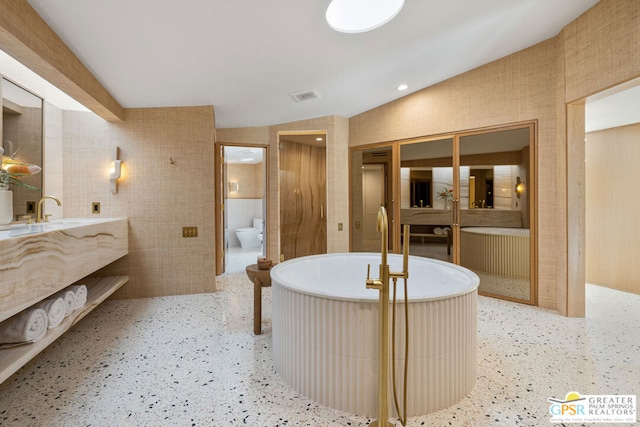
(11, 171)
(446, 193)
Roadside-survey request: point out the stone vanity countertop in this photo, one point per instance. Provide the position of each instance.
(37, 260)
(17, 230)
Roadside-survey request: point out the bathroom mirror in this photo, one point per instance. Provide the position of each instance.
(22, 139)
(420, 187)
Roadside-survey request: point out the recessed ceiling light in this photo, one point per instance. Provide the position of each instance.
(318, 139)
(359, 16)
(402, 87)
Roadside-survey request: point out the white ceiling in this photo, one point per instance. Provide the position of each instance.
(243, 155)
(246, 56)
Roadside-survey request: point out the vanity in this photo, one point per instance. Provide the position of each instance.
(38, 260)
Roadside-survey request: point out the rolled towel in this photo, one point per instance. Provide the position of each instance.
(80, 291)
(27, 326)
(56, 310)
(69, 298)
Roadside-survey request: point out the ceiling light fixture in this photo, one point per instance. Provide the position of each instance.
(359, 16)
(402, 87)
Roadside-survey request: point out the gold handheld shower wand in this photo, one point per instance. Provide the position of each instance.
(382, 285)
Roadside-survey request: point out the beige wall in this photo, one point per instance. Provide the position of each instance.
(612, 226)
(158, 198)
(52, 159)
(249, 179)
(602, 48)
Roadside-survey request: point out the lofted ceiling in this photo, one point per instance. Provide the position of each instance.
(246, 57)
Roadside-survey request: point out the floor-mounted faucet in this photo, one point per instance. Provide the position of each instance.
(382, 284)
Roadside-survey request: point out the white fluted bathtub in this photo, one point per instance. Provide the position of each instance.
(496, 250)
(325, 325)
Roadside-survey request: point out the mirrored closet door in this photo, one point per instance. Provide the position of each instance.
(427, 197)
(495, 217)
(467, 198)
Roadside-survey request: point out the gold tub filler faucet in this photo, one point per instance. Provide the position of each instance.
(382, 284)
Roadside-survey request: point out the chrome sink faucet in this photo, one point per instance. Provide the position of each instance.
(39, 213)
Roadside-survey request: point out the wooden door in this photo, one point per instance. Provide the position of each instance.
(303, 228)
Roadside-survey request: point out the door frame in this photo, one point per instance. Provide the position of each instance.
(220, 208)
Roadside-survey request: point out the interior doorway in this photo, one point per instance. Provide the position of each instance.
(243, 208)
(612, 147)
(302, 189)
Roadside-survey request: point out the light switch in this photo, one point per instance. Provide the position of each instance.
(189, 231)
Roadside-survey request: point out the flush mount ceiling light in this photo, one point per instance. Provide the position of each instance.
(402, 87)
(359, 16)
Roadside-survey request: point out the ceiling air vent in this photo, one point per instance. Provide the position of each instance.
(305, 95)
(379, 154)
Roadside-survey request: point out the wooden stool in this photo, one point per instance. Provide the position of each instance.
(259, 278)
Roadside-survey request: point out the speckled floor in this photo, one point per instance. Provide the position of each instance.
(194, 361)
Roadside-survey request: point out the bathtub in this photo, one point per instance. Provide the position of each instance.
(496, 250)
(325, 331)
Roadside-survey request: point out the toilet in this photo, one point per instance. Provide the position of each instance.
(248, 236)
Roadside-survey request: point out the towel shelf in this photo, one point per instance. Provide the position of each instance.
(98, 289)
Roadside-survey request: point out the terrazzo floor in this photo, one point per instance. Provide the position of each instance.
(194, 361)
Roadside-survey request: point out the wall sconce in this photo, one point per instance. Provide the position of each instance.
(519, 187)
(116, 171)
(233, 186)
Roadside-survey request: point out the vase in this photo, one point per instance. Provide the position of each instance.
(6, 206)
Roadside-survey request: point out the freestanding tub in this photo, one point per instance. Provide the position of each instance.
(325, 331)
(496, 250)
